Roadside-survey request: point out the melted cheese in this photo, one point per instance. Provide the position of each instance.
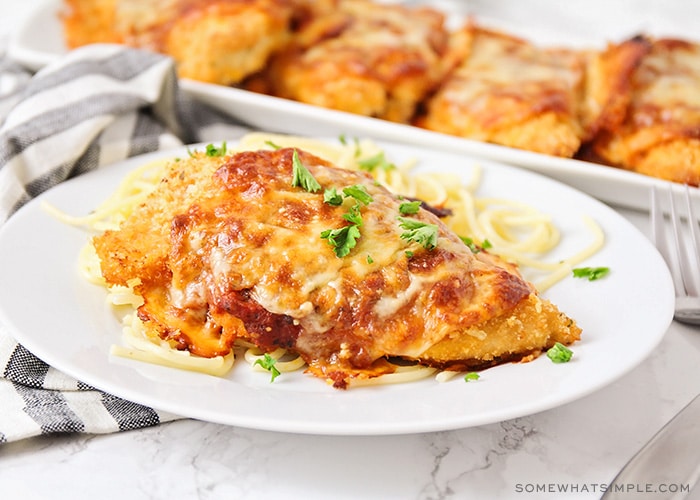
(367, 58)
(197, 34)
(510, 92)
(658, 133)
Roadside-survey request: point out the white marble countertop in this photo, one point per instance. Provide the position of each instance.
(577, 448)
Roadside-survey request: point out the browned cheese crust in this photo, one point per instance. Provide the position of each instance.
(656, 130)
(89, 21)
(507, 91)
(215, 41)
(229, 248)
(364, 58)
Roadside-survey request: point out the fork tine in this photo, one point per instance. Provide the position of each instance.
(695, 236)
(658, 235)
(657, 225)
(681, 251)
(688, 272)
(685, 271)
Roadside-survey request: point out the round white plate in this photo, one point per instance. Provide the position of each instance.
(65, 321)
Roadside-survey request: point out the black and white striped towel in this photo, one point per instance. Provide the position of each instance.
(93, 107)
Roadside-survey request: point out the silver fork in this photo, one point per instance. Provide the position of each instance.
(680, 249)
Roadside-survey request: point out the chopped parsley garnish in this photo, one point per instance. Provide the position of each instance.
(359, 192)
(591, 273)
(473, 246)
(471, 376)
(375, 162)
(301, 177)
(212, 150)
(370, 260)
(420, 232)
(559, 353)
(343, 239)
(267, 362)
(332, 197)
(353, 215)
(273, 145)
(409, 207)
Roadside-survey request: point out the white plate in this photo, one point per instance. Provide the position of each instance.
(53, 312)
(579, 23)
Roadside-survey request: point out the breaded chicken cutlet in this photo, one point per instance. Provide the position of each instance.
(508, 91)
(214, 41)
(365, 58)
(655, 128)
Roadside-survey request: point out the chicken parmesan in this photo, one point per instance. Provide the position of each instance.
(282, 249)
(657, 130)
(215, 41)
(508, 91)
(365, 58)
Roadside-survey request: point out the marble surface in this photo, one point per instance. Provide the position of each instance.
(577, 448)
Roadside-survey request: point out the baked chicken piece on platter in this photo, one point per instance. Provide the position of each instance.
(214, 41)
(655, 127)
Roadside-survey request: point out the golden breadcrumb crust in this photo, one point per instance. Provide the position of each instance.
(364, 58)
(507, 91)
(523, 334)
(215, 41)
(659, 133)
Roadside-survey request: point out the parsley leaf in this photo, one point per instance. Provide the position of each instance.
(332, 197)
(214, 151)
(375, 162)
(301, 176)
(343, 239)
(353, 215)
(267, 362)
(471, 376)
(473, 246)
(359, 192)
(420, 232)
(592, 273)
(409, 207)
(559, 353)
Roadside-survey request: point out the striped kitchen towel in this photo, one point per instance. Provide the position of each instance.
(94, 106)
